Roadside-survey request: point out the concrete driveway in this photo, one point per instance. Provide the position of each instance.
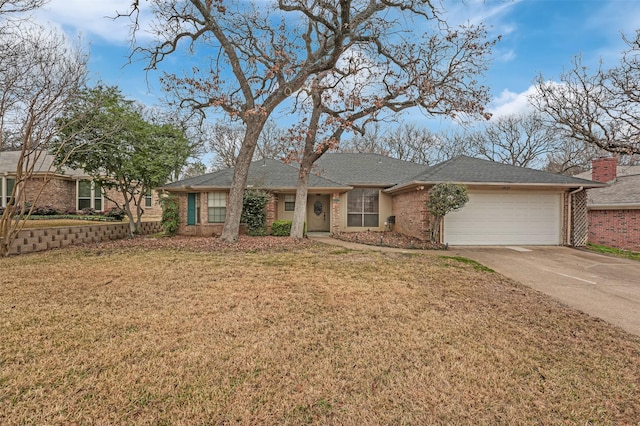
(602, 286)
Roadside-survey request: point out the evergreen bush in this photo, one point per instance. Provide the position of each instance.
(170, 214)
(253, 212)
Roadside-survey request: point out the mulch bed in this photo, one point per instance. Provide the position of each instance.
(247, 243)
(180, 242)
(388, 239)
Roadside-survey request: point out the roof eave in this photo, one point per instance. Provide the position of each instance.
(615, 206)
(197, 188)
(501, 184)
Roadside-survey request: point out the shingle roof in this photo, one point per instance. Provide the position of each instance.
(468, 170)
(267, 174)
(366, 169)
(623, 192)
(9, 161)
(344, 170)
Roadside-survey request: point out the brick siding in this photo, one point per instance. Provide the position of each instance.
(335, 213)
(615, 228)
(412, 215)
(59, 193)
(604, 169)
(154, 210)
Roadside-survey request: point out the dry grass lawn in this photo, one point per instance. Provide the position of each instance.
(168, 332)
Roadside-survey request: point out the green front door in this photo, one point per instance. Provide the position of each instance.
(191, 208)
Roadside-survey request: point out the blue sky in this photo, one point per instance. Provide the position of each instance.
(538, 37)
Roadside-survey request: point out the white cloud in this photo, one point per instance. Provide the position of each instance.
(508, 103)
(92, 18)
(505, 55)
(481, 11)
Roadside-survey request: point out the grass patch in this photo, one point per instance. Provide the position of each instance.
(137, 335)
(465, 260)
(628, 254)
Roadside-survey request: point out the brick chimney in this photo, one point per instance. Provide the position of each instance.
(604, 169)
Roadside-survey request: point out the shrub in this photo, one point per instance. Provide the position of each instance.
(115, 213)
(281, 228)
(87, 211)
(170, 214)
(253, 212)
(70, 212)
(45, 211)
(444, 198)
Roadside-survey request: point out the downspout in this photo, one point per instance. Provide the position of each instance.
(569, 217)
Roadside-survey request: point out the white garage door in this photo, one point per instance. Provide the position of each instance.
(503, 218)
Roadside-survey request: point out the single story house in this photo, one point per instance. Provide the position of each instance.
(614, 210)
(350, 192)
(67, 190)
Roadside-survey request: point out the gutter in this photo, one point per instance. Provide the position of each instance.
(626, 206)
(499, 185)
(569, 217)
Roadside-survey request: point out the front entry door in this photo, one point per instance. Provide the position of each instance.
(318, 213)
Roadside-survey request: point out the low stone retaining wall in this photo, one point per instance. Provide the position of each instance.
(41, 239)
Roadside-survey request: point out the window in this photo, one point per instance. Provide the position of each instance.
(6, 196)
(362, 207)
(84, 194)
(89, 195)
(217, 206)
(147, 198)
(289, 202)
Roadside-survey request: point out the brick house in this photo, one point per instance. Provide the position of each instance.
(351, 192)
(614, 210)
(67, 190)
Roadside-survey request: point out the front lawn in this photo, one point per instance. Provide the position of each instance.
(181, 331)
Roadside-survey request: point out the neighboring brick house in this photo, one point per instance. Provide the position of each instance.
(358, 192)
(68, 190)
(614, 211)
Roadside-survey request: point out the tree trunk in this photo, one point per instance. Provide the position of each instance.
(300, 211)
(435, 230)
(231, 228)
(126, 206)
(132, 220)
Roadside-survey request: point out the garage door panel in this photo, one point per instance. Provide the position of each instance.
(499, 218)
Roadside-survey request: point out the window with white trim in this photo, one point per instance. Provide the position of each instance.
(363, 207)
(89, 195)
(289, 202)
(217, 206)
(148, 201)
(6, 187)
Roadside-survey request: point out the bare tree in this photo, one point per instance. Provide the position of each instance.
(521, 140)
(273, 142)
(407, 142)
(19, 6)
(437, 75)
(452, 144)
(411, 143)
(370, 140)
(224, 141)
(40, 74)
(572, 156)
(599, 108)
(193, 169)
(257, 63)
